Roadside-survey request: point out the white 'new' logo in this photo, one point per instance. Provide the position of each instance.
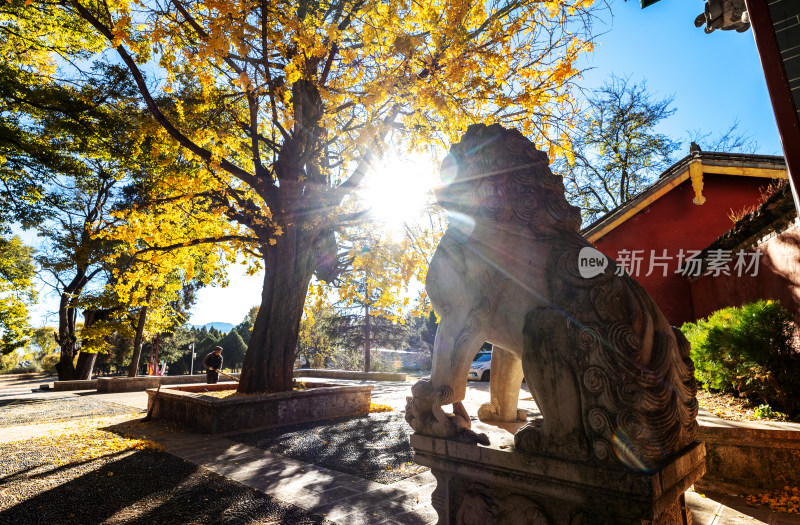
(591, 262)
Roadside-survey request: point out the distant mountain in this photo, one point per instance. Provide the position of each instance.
(222, 327)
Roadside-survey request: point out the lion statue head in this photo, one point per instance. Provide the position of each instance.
(497, 174)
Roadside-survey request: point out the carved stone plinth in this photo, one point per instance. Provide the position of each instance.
(482, 485)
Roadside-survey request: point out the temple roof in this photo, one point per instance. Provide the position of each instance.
(694, 165)
(773, 216)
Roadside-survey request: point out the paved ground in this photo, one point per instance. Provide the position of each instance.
(339, 444)
(332, 494)
(131, 486)
(18, 410)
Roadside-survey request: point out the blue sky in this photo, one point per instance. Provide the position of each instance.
(716, 79)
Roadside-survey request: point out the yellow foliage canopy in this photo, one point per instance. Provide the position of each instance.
(288, 99)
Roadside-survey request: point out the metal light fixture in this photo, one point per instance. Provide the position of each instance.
(725, 15)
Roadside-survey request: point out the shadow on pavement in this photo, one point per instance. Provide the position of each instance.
(143, 487)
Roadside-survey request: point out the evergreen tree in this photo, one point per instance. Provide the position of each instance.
(233, 349)
(428, 331)
(206, 344)
(245, 328)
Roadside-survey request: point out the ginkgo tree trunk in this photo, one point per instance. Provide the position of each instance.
(289, 267)
(285, 105)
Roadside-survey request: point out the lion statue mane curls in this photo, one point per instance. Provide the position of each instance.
(613, 380)
(498, 174)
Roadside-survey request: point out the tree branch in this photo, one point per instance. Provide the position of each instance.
(338, 193)
(196, 242)
(182, 139)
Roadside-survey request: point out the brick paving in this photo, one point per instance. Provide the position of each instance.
(335, 495)
(345, 498)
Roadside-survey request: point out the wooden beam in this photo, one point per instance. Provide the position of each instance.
(780, 93)
(767, 173)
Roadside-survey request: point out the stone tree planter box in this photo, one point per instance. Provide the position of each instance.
(141, 383)
(189, 406)
(78, 384)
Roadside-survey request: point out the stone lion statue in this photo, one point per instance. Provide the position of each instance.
(613, 380)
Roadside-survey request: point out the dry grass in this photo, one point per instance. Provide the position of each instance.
(766, 192)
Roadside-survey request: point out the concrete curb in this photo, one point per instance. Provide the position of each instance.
(349, 374)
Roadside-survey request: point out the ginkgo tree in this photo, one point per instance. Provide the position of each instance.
(152, 286)
(16, 292)
(286, 104)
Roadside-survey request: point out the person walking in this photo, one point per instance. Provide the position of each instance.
(213, 364)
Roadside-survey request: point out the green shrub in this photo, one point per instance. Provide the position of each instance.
(749, 350)
(766, 412)
(49, 361)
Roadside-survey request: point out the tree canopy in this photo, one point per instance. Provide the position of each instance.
(281, 108)
(16, 292)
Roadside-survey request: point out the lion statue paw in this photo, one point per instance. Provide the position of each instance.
(535, 438)
(490, 413)
(426, 416)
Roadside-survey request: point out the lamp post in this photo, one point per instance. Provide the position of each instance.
(191, 366)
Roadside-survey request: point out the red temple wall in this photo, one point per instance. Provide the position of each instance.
(778, 279)
(674, 222)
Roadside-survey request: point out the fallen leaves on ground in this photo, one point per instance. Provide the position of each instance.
(128, 485)
(222, 394)
(732, 408)
(374, 407)
(786, 500)
(231, 392)
(89, 441)
(407, 469)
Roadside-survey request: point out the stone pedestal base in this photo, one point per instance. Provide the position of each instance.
(484, 485)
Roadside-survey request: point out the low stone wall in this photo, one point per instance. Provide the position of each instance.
(348, 374)
(83, 384)
(138, 384)
(747, 457)
(187, 405)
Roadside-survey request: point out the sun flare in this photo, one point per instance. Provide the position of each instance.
(397, 191)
